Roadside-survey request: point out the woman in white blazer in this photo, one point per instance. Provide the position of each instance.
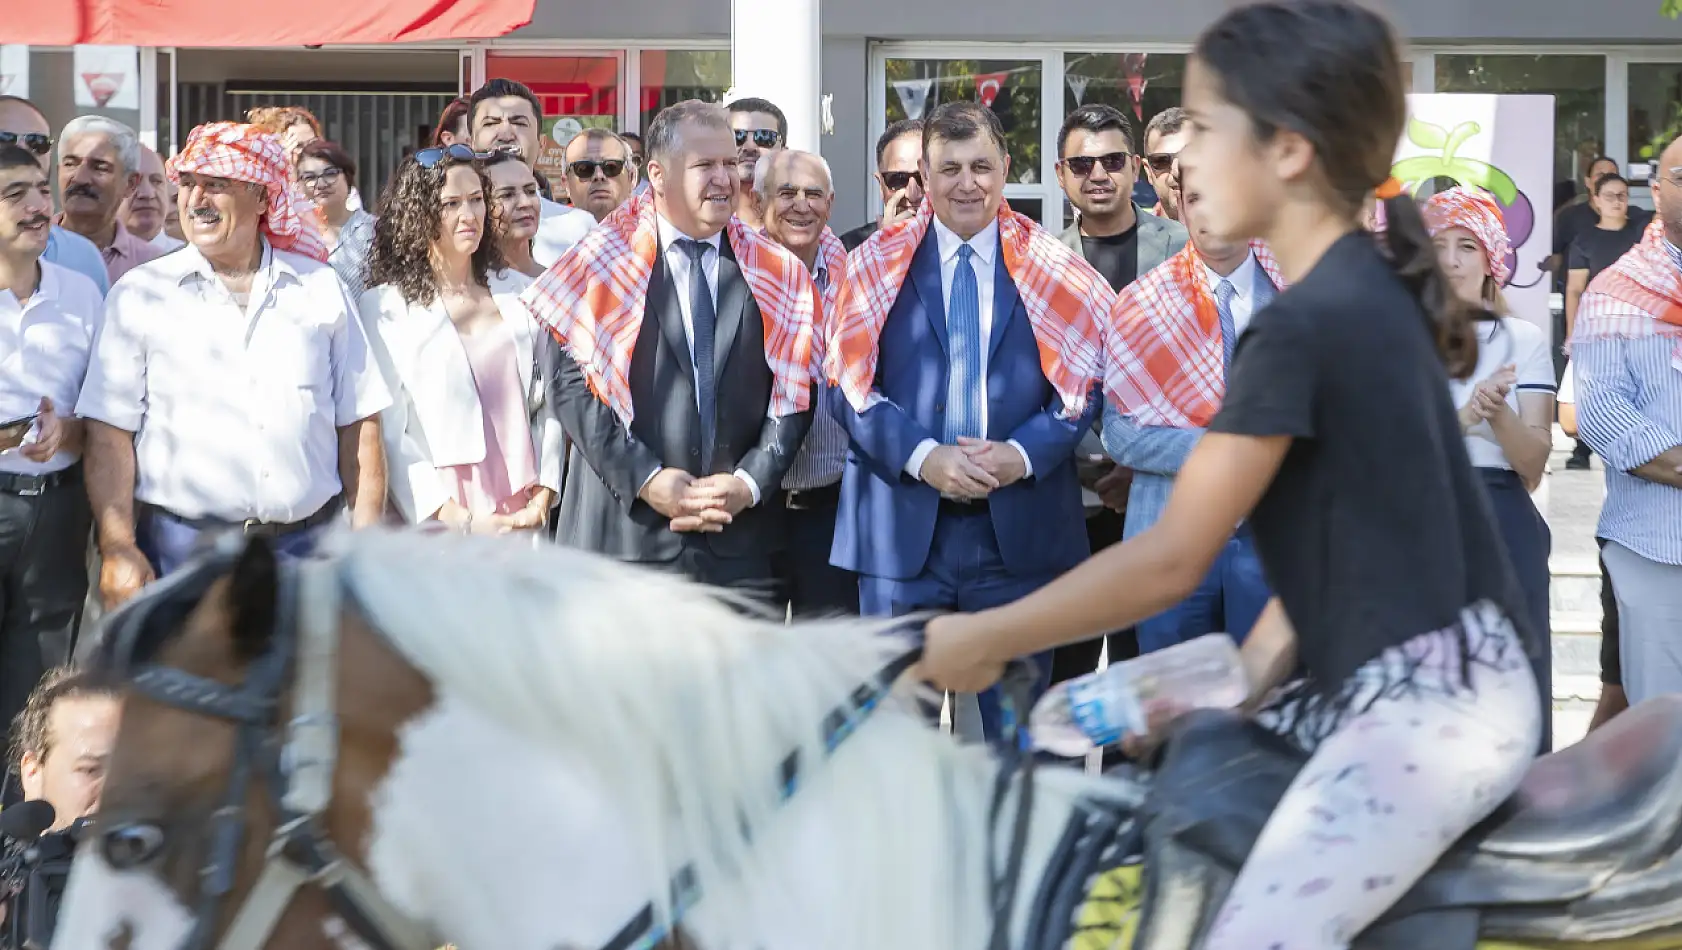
(470, 442)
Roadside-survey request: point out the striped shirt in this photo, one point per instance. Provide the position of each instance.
(824, 453)
(1629, 410)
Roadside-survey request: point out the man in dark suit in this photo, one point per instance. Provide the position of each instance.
(899, 152)
(1097, 168)
(680, 445)
(960, 488)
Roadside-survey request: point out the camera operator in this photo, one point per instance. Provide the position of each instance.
(61, 743)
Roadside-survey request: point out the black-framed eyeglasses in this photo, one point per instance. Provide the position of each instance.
(585, 169)
(428, 157)
(764, 138)
(899, 181)
(36, 142)
(1082, 165)
(324, 178)
(1161, 162)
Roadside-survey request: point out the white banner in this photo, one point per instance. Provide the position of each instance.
(914, 95)
(1077, 85)
(14, 70)
(107, 77)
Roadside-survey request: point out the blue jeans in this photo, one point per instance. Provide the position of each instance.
(964, 572)
(169, 543)
(1229, 600)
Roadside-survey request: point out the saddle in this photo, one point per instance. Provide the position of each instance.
(1585, 852)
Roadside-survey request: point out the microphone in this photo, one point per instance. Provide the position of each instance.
(26, 820)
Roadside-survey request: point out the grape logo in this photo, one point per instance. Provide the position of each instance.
(1444, 161)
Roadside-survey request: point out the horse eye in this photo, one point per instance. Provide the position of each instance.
(129, 846)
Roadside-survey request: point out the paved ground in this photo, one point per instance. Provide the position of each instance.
(1571, 502)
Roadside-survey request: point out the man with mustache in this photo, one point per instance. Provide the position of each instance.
(21, 123)
(504, 115)
(47, 317)
(796, 191)
(600, 173)
(761, 130)
(683, 371)
(967, 347)
(231, 386)
(98, 168)
(147, 211)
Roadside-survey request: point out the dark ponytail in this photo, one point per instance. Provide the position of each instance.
(1415, 259)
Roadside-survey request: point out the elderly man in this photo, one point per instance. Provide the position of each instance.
(760, 129)
(797, 193)
(23, 124)
(147, 211)
(600, 173)
(98, 168)
(231, 386)
(1626, 352)
(47, 316)
(504, 115)
(899, 152)
(967, 347)
(686, 380)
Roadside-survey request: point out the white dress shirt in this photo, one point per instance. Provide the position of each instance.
(1244, 290)
(985, 246)
(44, 346)
(163, 242)
(559, 227)
(235, 411)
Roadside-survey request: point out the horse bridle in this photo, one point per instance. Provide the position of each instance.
(296, 759)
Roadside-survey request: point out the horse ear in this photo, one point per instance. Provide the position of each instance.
(253, 593)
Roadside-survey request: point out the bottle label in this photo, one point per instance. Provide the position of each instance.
(1098, 710)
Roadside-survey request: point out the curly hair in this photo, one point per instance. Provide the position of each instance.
(31, 734)
(410, 220)
(277, 119)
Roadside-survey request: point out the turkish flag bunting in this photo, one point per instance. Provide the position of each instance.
(988, 86)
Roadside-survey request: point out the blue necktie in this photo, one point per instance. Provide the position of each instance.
(703, 318)
(963, 331)
(1224, 292)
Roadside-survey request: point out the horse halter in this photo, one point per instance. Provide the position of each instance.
(297, 758)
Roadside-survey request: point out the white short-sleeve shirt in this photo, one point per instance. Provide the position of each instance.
(44, 344)
(235, 412)
(1509, 340)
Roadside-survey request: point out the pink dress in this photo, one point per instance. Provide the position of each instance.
(500, 484)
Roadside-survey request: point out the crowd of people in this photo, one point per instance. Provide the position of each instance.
(671, 357)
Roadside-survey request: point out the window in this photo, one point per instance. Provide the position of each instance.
(1139, 84)
(670, 76)
(1655, 108)
(1577, 83)
(1011, 88)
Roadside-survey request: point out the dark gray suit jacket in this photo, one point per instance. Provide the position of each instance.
(600, 510)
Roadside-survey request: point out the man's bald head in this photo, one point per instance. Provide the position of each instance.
(796, 193)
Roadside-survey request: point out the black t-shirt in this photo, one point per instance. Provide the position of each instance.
(1376, 528)
(1115, 256)
(1596, 249)
(860, 234)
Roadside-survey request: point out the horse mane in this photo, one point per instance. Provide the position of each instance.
(688, 705)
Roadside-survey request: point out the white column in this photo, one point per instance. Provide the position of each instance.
(774, 55)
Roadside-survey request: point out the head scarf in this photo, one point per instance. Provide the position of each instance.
(1476, 211)
(1066, 300)
(242, 152)
(592, 301)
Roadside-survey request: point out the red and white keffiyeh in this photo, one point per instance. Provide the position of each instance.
(1066, 300)
(592, 300)
(1474, 210)
(241, 152)
(1639, 296)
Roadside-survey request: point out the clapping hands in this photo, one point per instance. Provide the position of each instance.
(1489, 397)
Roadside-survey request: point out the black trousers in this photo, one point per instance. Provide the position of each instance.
(1078, 659)
(43, 579)
(814, 587)
(747, 575)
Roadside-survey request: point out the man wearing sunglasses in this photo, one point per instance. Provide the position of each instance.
(899, 152)
(600, 174)
(1164, 137)
(506, 116)
(23, 124)
(761, 129)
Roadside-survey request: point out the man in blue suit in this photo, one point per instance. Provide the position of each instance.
(960, 490)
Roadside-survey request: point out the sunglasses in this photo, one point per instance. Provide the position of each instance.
(1082, 165)
(34, 141)
(764, 138)
(428, 157)
(899, 181)
(1161, 162)
(585, 169)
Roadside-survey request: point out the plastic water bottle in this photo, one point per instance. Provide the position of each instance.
(1100, 708)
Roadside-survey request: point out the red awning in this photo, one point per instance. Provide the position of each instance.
(282, 23)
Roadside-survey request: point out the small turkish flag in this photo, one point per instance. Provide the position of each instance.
(103, 86)
(988, 86)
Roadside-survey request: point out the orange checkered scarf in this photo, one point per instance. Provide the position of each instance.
(246, 153)
(834, 256)
(1637, 297)
(1066, 300)
(1164, 347)
(592, 300)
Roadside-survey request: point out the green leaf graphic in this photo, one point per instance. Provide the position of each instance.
(1458, 137)
(1470, 171)
(1419, 168)
(1426, 135)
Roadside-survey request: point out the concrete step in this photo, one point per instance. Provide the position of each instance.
(1575, 586)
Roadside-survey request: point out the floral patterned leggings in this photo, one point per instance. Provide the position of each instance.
(1404, 763)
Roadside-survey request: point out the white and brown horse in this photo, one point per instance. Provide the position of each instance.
(420, 739)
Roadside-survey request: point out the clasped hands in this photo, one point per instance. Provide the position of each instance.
(972, 469)
(695, 504)
(1489, 397)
